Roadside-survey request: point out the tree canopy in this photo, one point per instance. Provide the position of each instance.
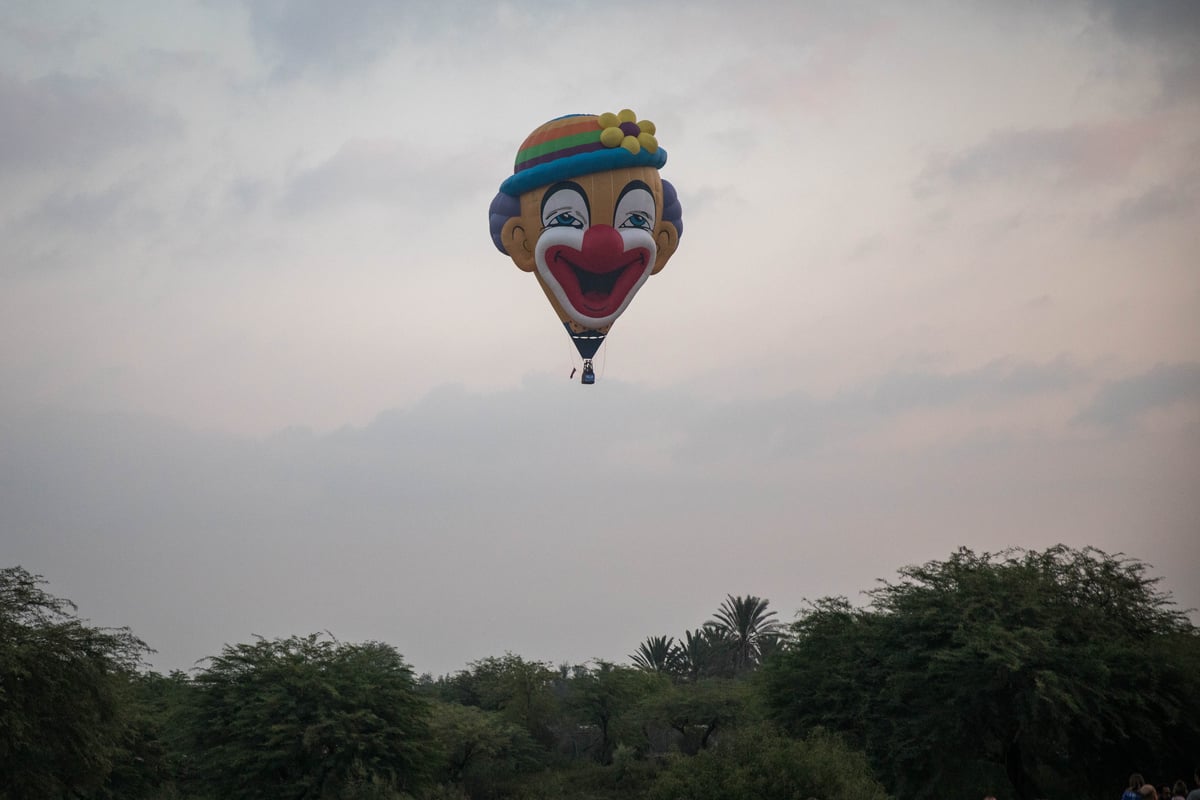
(1033, 673)
(63, 722)
(305, 717)
(735, 642)
(1022, 674)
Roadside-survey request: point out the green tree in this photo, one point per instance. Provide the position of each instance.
(603, 696)
(760, 763)
(309, 717)
(704, 653)
(522, 691)
(748, 627)
(698, 710)
(656, 654)
(63, 722)
(1028, 673)
(155, 759)
(479, 749)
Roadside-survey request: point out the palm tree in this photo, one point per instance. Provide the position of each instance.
(656, 654)
(747, 625)
(703, 653)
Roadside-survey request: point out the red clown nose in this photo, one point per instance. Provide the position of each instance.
(603, 249)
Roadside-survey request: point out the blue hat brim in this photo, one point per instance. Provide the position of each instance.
(581, 164)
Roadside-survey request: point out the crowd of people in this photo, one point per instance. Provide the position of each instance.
(1141, 789)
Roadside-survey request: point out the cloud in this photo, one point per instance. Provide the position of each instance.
(1073, 155)
(69, 121)
(383, 172)
(300, 35)
(1119, 403)
(1170, 29)
(58, 39)
(1162, 22)
(1176, 200)
(85, 211)
(796, 425)
(997, 380)
(571, 442)
(523, 510)
(306, 37)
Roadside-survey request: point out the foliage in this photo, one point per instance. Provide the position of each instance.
(696, 711)
(522, 691)
(1026, 674)
(603, 697)
(627, 777)
(734, 643)
(155, 757)
(704, 653)
(310, 717)
(763, 764)
(1038, 672)
(63, 719)
(478, 749)
(749, 629)
(656, 654)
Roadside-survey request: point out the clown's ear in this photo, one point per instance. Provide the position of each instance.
(667, 239)
(517, 244)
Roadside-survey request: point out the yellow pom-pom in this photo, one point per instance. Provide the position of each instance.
(647, 126)
(609, 120)
(611, 137)
(648, 141)
(631, 144)
(627, 116)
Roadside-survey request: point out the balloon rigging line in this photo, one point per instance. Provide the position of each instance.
(571, 357)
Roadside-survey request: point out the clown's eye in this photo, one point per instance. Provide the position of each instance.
(565, 220)
(635, 208)
(636, 220)
(565, 206)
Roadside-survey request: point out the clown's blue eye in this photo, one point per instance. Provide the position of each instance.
(636, 220)
(565, 219)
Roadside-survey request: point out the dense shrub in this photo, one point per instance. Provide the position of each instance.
(763, 764)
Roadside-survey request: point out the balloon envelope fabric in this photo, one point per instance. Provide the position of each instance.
(586, 211)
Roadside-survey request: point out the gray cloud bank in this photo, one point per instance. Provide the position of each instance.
(564, 523)
(69, 121)
(1121, 402)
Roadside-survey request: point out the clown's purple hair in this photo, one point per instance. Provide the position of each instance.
(505, 206)
(672, 210)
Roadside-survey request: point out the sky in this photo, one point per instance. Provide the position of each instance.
(263, 372)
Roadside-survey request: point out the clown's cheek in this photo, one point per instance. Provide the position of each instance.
(551, 237)
(639, 239)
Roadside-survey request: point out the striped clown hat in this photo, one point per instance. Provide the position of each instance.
(579, 144)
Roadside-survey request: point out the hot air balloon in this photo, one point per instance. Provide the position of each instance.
(586, 211)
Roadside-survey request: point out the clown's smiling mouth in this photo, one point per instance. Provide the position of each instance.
(598, 284)
(596, 293)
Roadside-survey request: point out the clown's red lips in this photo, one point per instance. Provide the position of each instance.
(598, 278)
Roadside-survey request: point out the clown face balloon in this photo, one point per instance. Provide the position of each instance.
(586, 211)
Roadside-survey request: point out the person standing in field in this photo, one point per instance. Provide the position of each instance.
(1195, 793)
(1133, 791)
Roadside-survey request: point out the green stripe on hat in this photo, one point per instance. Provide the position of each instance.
(587, 137)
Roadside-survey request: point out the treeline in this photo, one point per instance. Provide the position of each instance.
(1023, 675)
